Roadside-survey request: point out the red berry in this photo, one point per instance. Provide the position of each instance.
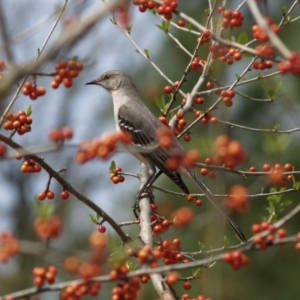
(187, 285)
(41, 196)
(181, 23)
(50, 195)
(187, 138)
(199, 202)
(168, 89)
(101, 229)
(64, 195)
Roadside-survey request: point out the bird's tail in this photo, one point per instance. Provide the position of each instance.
(191, 173)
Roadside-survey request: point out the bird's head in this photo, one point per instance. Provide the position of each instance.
(113, 80)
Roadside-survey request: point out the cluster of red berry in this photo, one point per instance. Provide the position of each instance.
(231, 18)
(205, 171)
(228, 152)
(41, 275)
(101, 148)
(238, 199)
(115, 178)
(126, 289)
(227, 97)
(190, 198)
(66, 71)
(198, 64)
(169, 252)
(290, 65)
(20, 122)
(47, 228)
(162, 225)
(260, 34)
(59, 135)
(200, 297)
(33, 91)
(9, 246)
(261, 65)
(275, 175)
(30, 166)
(50, 195)
(264, 242)
(236, 259)
(166, 9)
(205, 38)
(182, 216)
(75, 291)
(220, 52)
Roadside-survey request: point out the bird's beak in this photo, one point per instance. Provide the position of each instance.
(92, 82)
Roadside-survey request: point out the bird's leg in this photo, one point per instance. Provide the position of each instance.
(144, 192)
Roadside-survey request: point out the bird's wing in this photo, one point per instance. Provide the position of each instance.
(145, 142)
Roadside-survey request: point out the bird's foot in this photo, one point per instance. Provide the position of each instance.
(140, 196)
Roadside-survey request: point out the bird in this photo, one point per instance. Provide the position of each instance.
(133, 116)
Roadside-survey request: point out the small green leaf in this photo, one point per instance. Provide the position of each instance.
(112, 167)
(93, 218)
(160, 27)
(131, 267)
(29, 111)
(238, 76)
(277, 126)
(289, 19)
(98, 217)
(283, 9)
(243, 38)
(147, 52)
(271, 93)
(207, 11)
(196, 273)
(226, 240)
(129, 28)
(278, 86)
(159, 103)
(44, 210)
(201, 245)
(113, 20)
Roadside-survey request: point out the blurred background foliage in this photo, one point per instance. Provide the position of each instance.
(272, 274)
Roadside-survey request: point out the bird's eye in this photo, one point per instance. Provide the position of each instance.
(107, 77)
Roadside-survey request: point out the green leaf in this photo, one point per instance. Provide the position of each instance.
(160, 27)
(278, 86)
(271, 93)
(113, 20)
(277, 126)
(196, 273)
(129, 28)
(289, 19)
(112, 167)
(136, 50)
(29, 111)
(98, 217)
(243, 38)
(283, 9)
(201, 245)
(93, 218)
(159, 102)
(165, 25)
(131, 267)
(147, 52)
(44, 210)
(207, 11)
(226, 240)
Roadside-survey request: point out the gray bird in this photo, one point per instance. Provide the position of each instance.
(133, 116)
